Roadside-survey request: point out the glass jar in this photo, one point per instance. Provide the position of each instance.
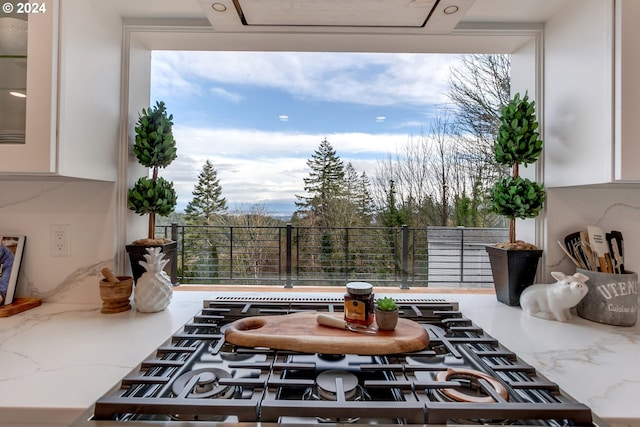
(359, 303)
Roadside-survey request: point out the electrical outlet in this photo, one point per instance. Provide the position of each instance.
(60, 236)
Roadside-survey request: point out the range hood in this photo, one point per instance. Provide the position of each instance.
(428, 16)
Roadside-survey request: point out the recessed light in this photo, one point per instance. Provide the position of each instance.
(18, 94)
(450, 10)
(219, 7)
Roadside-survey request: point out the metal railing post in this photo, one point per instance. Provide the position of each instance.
(288, 248)
(174, 260)
(231, 252)
(461, 255)
(404, 262)
(346, 253)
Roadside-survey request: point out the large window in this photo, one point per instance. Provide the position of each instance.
(258, 113)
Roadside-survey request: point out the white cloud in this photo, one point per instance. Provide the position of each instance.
(223, 93)
(369, 78)
(258, 166)
(202, 143)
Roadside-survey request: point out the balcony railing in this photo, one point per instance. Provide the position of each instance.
(302, 256)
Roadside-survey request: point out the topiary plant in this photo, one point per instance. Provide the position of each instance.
(386, 304)
(518, 142)
(154, 148)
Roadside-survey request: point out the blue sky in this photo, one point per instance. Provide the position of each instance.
(259, 116)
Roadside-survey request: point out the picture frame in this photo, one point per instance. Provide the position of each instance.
(11, 251)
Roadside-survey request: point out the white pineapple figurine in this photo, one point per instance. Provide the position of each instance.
(153, 289)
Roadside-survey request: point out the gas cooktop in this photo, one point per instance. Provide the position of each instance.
(464, 376)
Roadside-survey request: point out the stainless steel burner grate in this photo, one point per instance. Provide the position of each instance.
(196, 375)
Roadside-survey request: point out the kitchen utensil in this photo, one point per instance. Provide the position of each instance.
(587, 253)
(617, 237)
(617, 259)
(301, 332)
(340, 323)
(569, 242)
(614, 256)
(571, 257)
(599, 244)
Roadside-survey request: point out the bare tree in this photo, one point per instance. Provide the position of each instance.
(443, 162)
(443, 178)
(406, 175)
(256, 242)
(479, 87)
(422, 175)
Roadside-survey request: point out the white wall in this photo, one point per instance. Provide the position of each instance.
(526, 77)
(138, 87)
(611, 208)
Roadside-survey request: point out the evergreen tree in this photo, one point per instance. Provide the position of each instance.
(391, 216)
(204, 209)
(324, 185)
(364, 200)
(207, 199)
(351, 182)
(344, 209)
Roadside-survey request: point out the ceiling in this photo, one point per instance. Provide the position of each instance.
(506, 11)
(334, 25)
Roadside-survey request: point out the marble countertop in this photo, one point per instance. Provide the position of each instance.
(56, 360)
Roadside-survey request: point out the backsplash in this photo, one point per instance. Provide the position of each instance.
(573, 209)
(32, 207)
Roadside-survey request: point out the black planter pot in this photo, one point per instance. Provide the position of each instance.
(137, 253)
(513, 270)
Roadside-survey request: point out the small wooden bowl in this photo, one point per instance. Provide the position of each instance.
(116, 295)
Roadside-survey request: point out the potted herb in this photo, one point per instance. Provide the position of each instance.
(154, 148)
(514, 263)
(386, 313)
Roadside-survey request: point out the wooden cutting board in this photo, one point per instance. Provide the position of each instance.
(301, 332)
(18, 306)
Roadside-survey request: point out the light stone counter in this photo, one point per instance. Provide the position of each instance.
(56, 360)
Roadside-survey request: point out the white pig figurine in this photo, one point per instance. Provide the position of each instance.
(554, 301)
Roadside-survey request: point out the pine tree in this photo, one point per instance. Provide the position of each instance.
(324, 184)
(357, 205)
(364, 200)
(207, 199)
(391, 216)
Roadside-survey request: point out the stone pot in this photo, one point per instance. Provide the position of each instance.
(513, 270)
(612, 298)
(137, 253)
(386, 320)
(116, 295)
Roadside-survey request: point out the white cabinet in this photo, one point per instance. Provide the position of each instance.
(73, 95)
(627, 91)
(592, 94)
(37, 154)
(578, 93)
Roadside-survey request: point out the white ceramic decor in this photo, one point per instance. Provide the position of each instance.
(153, 289)
(554, 301)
